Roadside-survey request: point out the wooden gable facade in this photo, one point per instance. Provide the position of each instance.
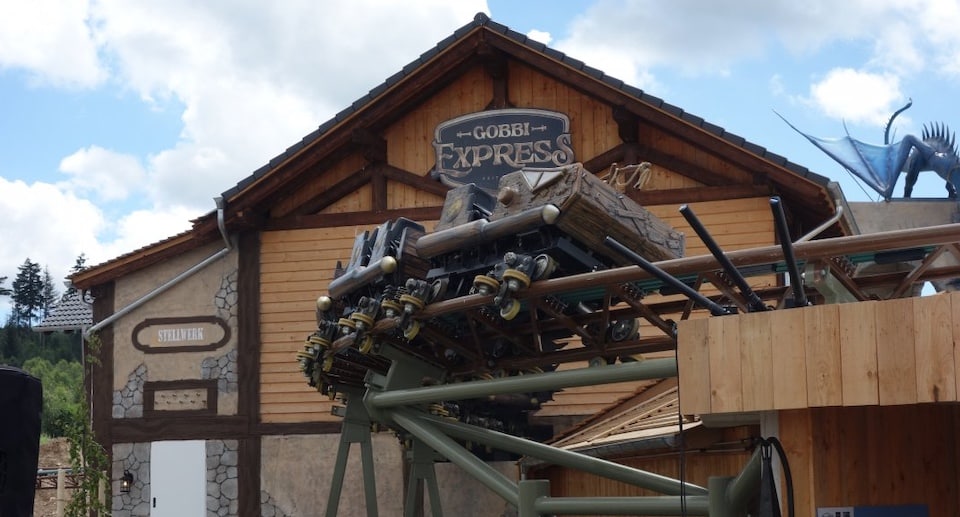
(283, 229)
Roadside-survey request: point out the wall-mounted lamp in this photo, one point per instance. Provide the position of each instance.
(126, 481)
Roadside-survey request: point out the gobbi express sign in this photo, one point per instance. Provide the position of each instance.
(481, 147)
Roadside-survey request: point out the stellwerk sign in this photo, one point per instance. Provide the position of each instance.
(481, 147)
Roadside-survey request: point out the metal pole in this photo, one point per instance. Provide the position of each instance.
(715, 308)
(600, 467)
(369, 479)
(643, 370)
(746, 484)
(530, 491)
(719, 505)
(783, 232)
(451, 450)
(753, 301)
(666, 505)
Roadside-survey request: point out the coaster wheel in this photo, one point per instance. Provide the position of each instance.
(411, 330)
(511, 310)
(484, 284)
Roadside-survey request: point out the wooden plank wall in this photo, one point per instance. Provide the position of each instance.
(701, 463)
(296, 267)
(874, 455)
(884, 353)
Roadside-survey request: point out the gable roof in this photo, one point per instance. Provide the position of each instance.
(421, 78)
(72, 313)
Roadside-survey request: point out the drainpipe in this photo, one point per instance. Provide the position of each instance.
(828, 223)
(175, 280)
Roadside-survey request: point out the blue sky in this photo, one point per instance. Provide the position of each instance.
(120, 121)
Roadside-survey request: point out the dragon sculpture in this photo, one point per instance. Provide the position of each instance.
(879, 166)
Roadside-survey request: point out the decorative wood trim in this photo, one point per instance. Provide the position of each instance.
(135, 338)
(696, 194)
(414, 180)
(248, 477)
(248, 332)
(333, 194)
(372, 146)
(150, 390)
(101, 374)
(202, 427)
(301, 222)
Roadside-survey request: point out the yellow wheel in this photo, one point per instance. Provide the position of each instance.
(511, 310)
(366, 344)
(391, 305)
(318, 341)
(412, 330)
(412, 300)
(346, 322)
(485, 285)
(360, 317)
(328, 363)
(519, 276)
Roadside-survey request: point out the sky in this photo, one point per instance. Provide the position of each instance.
(120, 121)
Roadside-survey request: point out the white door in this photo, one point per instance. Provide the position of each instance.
(178, 479)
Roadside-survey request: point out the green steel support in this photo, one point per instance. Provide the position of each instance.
(451, 450)
(356, 429)
(729, 495)
(665, 505)
(530, 491)
(719, 506)
(638, 371)
(422, 472)
(746, 484)
(600, 467)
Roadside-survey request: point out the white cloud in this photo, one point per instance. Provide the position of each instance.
(541, 36)
(50, 39)
(256, 77)
(857, 96)
(109, 175)
(47, 225)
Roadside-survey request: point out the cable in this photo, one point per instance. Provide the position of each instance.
(785, 465)
(682, 467)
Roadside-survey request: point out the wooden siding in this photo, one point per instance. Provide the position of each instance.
(409, 139)
(874, 456)
(883, 353)
(701, 462)
(296, 266)
(592, 128)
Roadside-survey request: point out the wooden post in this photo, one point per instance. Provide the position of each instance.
(61, 490)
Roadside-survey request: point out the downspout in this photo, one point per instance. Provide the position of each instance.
(827, 224)
(175, 280)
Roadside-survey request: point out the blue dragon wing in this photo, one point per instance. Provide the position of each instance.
(877, 165)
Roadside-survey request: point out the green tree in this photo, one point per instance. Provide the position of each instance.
(3, 290)
(27, 294)
(50, 294)
(78, 266)
(62, 391)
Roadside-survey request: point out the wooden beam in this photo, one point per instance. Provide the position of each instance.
(333, 194)
(299, 222)
(696, 194)
(373, 147)
(495, 63)
(414, 180)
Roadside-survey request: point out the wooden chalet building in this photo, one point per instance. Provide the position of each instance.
(198, 333)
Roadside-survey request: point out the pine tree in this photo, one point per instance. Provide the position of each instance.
(50, 295)
(78, 266)
(27, 294)
(3, 290)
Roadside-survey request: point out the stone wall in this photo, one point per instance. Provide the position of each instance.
(222, 478)
(135, 458)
